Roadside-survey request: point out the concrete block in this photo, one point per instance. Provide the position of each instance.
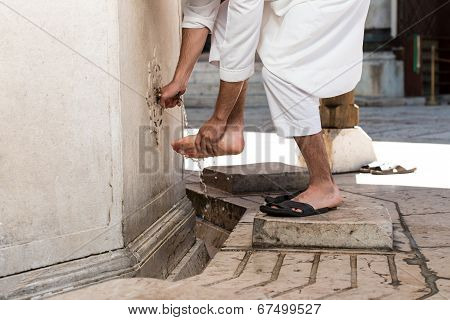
(348, 149)
(259, 177)
(358, 224)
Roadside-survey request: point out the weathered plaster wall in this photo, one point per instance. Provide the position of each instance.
(71, 142)
(59, 149)
(149, 35)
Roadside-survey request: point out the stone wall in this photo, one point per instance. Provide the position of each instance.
(83, 168)
(149, 48)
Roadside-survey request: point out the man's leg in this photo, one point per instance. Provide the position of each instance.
(322, 191)
(296, 113)
(232, 141)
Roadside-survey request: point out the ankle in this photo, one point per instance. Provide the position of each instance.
(324, 186)
(235, 127)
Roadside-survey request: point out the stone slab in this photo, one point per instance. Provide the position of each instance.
(147, 289)
(259, 177)
(358, 224)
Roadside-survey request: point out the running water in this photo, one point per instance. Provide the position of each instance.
(199, 162)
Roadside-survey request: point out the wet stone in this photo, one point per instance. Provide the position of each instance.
(357, 224)
(259, 177)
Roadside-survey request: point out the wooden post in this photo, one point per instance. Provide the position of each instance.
(432, 101)
(339, 112)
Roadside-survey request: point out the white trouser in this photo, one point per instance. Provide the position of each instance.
(295, 113)
(309, 49)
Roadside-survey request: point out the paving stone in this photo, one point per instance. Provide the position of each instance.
(146, 289)
(412, 283)
(438, 260)
(418, 201)
(249, 215)
(333, 275)
(222, 267)
(378, 277)
(359, 223)
(431, 230)
(240, 238)
(372, 280)
(258, 269)
(259, 177)
(443, 286)
(293, 275)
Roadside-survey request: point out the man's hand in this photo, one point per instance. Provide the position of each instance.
(192, 45)
(209, 136)
(171, 94)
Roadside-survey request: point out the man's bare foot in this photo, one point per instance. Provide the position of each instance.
(231, 143)
(325, 196)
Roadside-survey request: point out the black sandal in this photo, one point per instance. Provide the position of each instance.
(283, 197)
(284, 209)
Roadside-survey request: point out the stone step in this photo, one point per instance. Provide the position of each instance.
(258, 177)
(192, 264)
(359, 223)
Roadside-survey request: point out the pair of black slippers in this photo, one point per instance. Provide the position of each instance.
(283, 206)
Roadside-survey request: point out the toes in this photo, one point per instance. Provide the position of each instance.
(183, 145)
(176, 145)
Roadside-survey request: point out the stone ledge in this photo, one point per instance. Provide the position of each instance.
(258, 177)
(148, 255)
(358, 224)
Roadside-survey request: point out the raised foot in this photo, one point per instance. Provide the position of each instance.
(231, 143)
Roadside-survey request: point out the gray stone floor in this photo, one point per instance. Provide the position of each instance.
(417, 267)
(422, 124)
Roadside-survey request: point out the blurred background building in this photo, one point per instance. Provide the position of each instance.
(398, 66)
